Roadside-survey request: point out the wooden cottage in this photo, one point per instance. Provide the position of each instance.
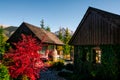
(97, 45)
(49, 39)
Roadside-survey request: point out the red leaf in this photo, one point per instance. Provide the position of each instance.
(26, 58)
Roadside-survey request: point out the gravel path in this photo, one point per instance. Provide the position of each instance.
(50, 75)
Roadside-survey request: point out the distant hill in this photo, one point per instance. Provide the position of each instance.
(4, 26)
(9, 30)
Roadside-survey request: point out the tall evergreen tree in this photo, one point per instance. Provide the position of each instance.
(67, 36)
(42, 24)
(60, 36)
(66, 40)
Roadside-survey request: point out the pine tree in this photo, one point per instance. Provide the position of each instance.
(47, 28)
(60, 36)
(42, 24)
(67, 36)
(67, 47)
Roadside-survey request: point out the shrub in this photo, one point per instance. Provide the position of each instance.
(58, 65)
(69, 67)
(3, 45)
(66, 75)
(4, 74)
(25, 59)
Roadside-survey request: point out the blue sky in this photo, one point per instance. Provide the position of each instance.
(56, 13)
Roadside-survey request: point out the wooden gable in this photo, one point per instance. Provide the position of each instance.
(97, 27)
(16, 36)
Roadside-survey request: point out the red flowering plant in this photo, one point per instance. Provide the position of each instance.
(25, 58)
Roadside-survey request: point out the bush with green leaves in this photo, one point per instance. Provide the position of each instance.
(58, 65)
(69, 67)
(3, 45)
(4, 74)
(66, 75)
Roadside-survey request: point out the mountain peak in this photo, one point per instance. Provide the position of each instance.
(62, 30)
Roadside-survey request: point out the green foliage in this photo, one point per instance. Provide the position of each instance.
(108, 69)
(67, 36)
(43, 26)
(21, 78)
(67, 47)
(60, 36)
(3, 43)
(66, 75)
(48, 28)
(58, 65)
(60, 48)
(69, 67)
(4, 74)
(109, 62)
(81, 77)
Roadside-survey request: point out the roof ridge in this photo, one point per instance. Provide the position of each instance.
(100, 10)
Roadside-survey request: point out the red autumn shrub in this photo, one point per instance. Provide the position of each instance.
(25, 58)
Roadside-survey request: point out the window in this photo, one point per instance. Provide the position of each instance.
(96, 55)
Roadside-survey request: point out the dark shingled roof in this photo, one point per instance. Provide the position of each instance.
(111, 30)
(41, 34)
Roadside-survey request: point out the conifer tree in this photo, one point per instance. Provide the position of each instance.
(42, 24)
(47, 28)
(60, 36)
(66, 40)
